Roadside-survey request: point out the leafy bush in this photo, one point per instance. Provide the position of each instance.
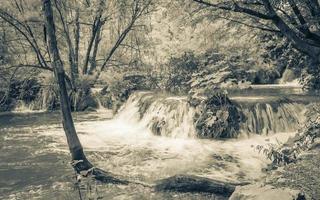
(6, 104)
(25, 90)
(47, 99)
(266, 76)
(311, 78)
(280, 54)
(221, 71)
(117, 92)
(83, 99)
(181, 70)
(218, 117)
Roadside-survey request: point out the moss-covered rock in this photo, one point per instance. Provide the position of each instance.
(218, 117)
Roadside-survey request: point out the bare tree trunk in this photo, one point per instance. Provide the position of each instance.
(80, 162)
(113, 50)
(93, 35)
(74, 144)
(76, 41)
(71, 55)
(93, 61)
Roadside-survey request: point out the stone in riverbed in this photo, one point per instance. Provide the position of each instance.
(190, 183)
(265, 192)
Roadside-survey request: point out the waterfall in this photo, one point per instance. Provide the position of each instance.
(266, 118)
(289, 78)
(162, 115)
(31, 107)
(21, 106)
(174, 117)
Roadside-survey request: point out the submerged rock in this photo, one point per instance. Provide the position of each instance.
(265, 192)
(189, 183)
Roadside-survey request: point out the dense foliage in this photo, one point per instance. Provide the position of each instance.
(218, 117)
(118, 91)
(190, 50)
(296, 21)
(180, 72)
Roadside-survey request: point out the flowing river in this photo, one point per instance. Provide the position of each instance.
(34, 159)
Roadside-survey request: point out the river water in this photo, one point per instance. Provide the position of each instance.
(34, 159)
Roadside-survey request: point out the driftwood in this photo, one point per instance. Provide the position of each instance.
(190, 183)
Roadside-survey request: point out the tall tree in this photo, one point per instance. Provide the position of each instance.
(298, 21)
(80, 162)
(85, 44)
(57, 65)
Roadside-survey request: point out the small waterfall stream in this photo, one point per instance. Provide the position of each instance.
(163, 115)
(32, 107)
(174, 117)
(266, 118)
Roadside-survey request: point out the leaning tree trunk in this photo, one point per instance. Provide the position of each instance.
(80, 162)
(74, 144)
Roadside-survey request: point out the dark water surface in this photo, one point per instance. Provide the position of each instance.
(35, 165)
(271, 93)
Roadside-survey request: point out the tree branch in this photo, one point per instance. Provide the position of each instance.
(236, 8)
(298, 42)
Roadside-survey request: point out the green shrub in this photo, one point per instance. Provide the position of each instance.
(266, 76)
(83, 99)
(19, 90)
(311, 78)
(218, 71)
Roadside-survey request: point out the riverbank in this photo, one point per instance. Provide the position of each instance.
(294, 171)
(303, 175)
(295, 181)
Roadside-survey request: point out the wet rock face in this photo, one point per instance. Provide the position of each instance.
(263, 192)
(218, 117)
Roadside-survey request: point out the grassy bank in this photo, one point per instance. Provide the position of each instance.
(302, 175)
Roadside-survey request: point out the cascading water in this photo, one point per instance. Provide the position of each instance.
(32, 107)
(265, 118)
(163, 115)
(174, 117)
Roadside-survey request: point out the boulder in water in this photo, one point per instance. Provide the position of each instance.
(190, 183)
(218, 117)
